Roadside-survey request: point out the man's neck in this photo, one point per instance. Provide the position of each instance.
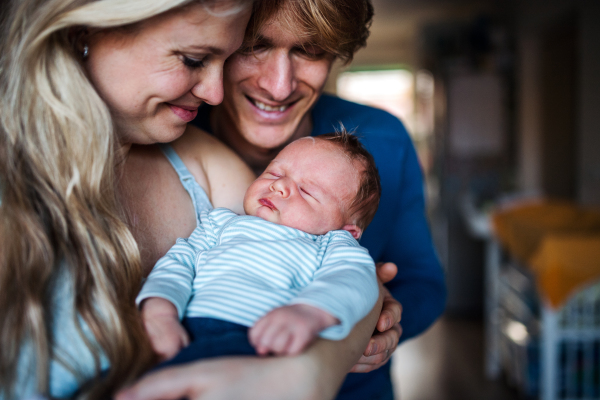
(257, 158)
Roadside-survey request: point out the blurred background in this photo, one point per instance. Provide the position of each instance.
(502, 100)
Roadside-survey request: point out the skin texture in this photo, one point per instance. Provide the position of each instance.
(158, 209)
(281, 74)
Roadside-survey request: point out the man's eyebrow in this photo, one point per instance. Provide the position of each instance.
(263, 39)
(260, 39)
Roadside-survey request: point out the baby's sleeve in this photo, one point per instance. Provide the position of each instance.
(173, 275)
(345, 285)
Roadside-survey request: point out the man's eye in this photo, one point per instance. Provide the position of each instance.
(311, 51)
(252, 48)
(191, 62)
(304, 190)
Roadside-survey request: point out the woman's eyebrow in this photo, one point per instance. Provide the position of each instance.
(210, 49)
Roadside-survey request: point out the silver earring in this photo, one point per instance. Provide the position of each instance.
(86, 51)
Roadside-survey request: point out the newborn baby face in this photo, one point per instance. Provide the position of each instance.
(308, 186)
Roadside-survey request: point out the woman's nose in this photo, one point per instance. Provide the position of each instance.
(278, 75)
(210, 86)
(282, 186)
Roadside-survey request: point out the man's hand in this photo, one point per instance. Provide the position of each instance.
(162, 325)
(288, 330)
(385, 340)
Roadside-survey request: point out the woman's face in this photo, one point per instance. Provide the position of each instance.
(154, 76)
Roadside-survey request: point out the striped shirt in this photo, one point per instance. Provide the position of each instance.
(238, 268)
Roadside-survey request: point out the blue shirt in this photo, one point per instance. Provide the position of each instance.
(399, 231)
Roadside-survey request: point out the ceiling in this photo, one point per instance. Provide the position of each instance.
(395, 31)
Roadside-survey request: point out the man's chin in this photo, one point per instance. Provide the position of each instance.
(269, 139)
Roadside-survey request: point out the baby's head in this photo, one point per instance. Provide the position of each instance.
(318, 185)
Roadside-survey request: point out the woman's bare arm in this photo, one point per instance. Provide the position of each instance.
(314, 375)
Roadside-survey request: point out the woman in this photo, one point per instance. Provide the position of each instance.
(88, 205)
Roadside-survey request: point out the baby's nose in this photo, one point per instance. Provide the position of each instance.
(282, 186)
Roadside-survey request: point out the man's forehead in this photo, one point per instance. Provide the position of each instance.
(284, 30)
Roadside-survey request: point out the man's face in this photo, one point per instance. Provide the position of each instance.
(268, 93)
(308, 186)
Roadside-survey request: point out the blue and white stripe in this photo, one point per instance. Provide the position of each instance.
(238, 268)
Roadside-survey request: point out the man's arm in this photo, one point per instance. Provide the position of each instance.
(419, 285)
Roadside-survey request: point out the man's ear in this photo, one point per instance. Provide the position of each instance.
(354, 230)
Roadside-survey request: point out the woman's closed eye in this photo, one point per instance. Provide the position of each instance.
(192, 62)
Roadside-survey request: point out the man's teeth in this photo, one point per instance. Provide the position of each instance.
(265, 107)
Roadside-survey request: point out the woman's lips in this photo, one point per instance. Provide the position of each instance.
(267, 203)
(185, 113)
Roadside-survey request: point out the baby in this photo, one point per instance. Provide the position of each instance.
(274, 279)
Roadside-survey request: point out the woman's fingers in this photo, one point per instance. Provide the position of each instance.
(168, 384)
(386, 271)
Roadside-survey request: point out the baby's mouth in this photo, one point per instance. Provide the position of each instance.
(267, 203)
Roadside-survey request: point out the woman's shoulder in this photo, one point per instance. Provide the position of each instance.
(227, 175)
(202, 150)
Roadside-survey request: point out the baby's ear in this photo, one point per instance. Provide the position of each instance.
(354, 230)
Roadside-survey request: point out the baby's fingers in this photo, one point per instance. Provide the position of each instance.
(280, 342)
(299, 342)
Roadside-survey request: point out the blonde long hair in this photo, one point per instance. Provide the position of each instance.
(58, 203)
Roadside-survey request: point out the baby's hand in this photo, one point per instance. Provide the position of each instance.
(162, 324)
(288, 330)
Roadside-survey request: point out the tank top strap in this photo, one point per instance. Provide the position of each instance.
(199, 198)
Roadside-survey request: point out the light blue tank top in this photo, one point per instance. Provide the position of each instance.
(68, 343)
(198, 195)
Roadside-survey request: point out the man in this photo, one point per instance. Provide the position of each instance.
(273, 95)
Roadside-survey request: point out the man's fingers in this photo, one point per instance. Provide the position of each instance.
(386, 271)
(368, 364)
(385, 341)
(391, 312)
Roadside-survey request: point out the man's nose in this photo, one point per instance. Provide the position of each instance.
(282, 186)
(278, 75)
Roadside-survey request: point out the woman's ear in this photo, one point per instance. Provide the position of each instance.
(77, 36)
(354, 230)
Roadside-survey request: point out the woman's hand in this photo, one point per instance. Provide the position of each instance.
(383, 343)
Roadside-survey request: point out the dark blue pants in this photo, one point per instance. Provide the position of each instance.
(209, 338)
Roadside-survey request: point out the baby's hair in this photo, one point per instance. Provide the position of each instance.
(365, 203)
